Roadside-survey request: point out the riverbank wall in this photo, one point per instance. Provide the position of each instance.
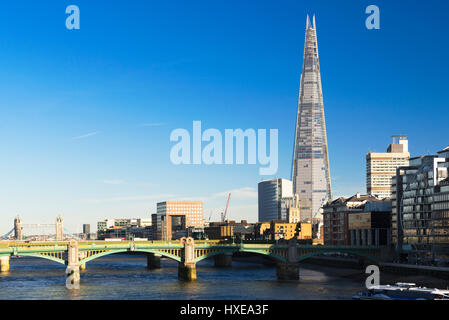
(394, 268)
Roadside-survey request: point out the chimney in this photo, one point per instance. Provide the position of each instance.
(358, 195)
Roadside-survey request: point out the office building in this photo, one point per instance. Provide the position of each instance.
(381, 167)
(86, 228)
(86, 231)
(276, 200)
(124, 228)
(420, 218)
(121, 222)
(172, 217)
(144, 222)
(310, 172)
(105, 224)
(113, 233)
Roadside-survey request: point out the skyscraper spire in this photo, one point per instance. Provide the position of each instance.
(310, 172)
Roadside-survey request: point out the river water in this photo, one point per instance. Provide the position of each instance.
(126, 277)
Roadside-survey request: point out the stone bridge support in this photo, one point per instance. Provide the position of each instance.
(73, 269)
(4, 264)
(187, 266)
(153, 261)
(223, 260)
(289, 270)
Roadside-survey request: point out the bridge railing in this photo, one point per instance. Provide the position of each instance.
(174, 243)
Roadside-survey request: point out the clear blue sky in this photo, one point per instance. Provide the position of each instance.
(86, 115)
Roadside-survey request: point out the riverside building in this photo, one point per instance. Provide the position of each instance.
(420, 214)
(336, 218)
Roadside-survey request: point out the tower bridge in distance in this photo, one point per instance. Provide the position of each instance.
(58, 232)
(187, 252)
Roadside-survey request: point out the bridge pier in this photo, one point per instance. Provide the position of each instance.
(287, 271)
(187, 271)
(153, 261)
(187, 266)
(223, 260)
(4, 264)
(73, 268)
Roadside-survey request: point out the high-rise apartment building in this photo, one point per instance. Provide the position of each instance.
(381, 167)
(175, 216)
(311, 173)
(420, 213)
(86, 228)
(86, 231)
(276, 200)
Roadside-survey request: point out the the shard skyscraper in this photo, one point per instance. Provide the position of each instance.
(311, 174)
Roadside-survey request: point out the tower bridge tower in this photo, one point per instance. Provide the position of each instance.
(59, 229)
(18, 228)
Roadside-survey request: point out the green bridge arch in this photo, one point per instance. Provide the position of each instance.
(269, 254)
(126, 250)
(282, 259)
(43, 256)
(355, 253)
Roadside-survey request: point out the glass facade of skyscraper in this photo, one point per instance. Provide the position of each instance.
(420, 214)
(311, 174)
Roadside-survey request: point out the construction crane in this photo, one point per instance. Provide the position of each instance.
(223, 214)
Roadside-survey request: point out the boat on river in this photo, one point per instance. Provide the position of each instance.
(402, 291)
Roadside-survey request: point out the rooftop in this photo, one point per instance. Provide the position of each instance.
(357, 201)
(444, 150)
(358, 198)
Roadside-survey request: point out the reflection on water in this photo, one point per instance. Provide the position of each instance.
(126, 277)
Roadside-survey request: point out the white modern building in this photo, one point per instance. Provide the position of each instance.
(381, 167)
(123, 222)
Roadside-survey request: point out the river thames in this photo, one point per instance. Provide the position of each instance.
(126, 277)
